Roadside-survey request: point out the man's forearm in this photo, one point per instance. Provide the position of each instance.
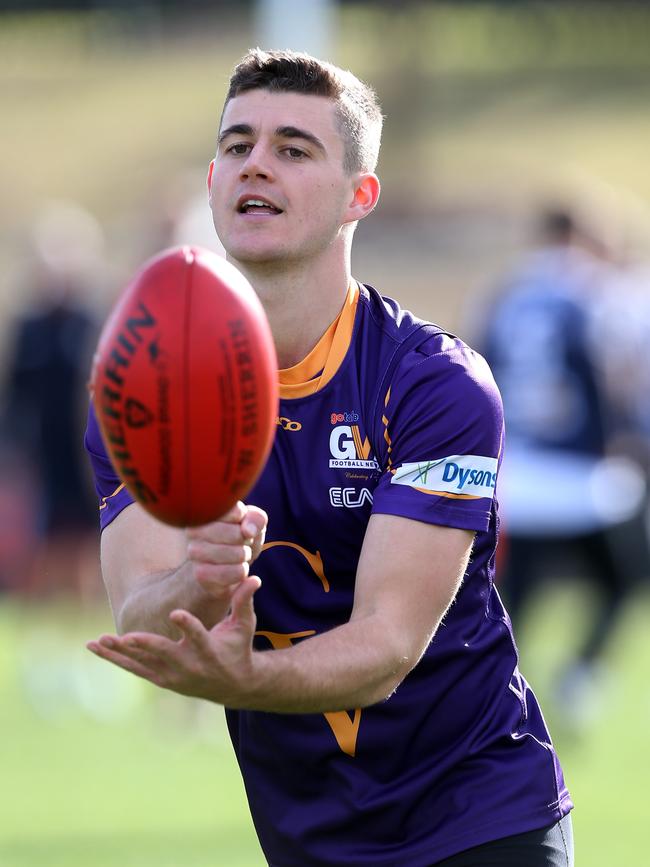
(148, 605)
(144, 584)
(355, 665)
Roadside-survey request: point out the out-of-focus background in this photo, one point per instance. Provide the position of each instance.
(515, 211)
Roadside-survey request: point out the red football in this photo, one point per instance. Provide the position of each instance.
(185, 387)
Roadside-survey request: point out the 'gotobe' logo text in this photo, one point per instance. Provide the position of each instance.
(348, 417)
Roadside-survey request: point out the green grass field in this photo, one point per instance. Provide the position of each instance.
(100, 770)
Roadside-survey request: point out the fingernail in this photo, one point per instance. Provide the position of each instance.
(107, 642)
(249, 530)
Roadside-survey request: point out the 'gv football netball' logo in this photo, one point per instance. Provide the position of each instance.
(347, 449)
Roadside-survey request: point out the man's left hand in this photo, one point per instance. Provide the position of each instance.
(213, 664)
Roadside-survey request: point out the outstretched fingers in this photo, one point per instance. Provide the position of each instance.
(144, 666)
(242, 609)
(194, 632)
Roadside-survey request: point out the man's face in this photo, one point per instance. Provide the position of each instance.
(278, 188)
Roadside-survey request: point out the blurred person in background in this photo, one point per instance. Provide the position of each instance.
(624, 316)
(567, 501)
(19, 537)
(45, 397)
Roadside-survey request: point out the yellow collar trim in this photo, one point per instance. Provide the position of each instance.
(302, 379)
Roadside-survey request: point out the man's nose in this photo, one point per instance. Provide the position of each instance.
(257, 164)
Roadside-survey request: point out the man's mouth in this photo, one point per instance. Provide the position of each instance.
(251, 205)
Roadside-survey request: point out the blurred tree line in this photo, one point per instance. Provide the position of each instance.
(433, 34)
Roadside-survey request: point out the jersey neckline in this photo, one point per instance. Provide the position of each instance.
(319, 366)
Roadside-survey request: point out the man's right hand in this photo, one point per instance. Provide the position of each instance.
(220, 553)
(151, 568)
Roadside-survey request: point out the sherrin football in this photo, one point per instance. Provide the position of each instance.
(184, 386)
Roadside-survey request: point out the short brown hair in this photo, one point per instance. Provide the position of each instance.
(357, 108)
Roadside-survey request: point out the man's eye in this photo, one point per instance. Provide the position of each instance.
(295, 153)
(239, 149)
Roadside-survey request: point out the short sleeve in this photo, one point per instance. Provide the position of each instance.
(113, 495)
(443, 432)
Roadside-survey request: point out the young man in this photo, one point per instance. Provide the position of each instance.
(374, 721)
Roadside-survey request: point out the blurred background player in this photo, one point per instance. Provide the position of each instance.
(568, 503)
(50, 348)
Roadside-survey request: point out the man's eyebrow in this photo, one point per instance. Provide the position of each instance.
(281, 132)
(295, 132)
(235, 129)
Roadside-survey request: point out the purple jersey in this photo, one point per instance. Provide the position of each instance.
(409, 423)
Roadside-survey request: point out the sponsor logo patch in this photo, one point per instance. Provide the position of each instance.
(337, 417)
(347, 449)
(288, 424)
(349, 498)
(467, 476)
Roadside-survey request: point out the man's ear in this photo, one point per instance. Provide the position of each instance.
(209, 179)
(365, 195)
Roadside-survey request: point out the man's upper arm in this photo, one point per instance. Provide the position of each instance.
(443, 427)
(408, 574)
(135, 549)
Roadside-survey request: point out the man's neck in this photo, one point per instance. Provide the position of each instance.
(301, 301)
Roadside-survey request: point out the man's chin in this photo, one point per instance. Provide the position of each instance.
(256, 257)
